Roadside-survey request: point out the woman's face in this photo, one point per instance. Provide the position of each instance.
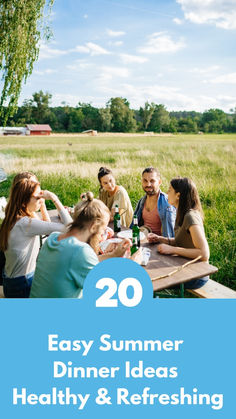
(173, 197)
(35, 200)
(108, 183)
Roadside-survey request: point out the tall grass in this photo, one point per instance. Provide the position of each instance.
(69, 170)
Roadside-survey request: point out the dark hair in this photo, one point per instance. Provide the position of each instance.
(103, 171)
(151, 169)
(20, 195)
(189, 198)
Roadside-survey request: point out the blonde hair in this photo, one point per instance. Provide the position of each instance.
(89, 211)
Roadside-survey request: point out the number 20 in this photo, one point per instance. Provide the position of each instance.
(106, 299)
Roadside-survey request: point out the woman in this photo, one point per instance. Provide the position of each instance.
(32, 176)
(65, 259)
(190, 240)
(112, 195)
(19, 234)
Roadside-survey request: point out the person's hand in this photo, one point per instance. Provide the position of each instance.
(153, 238)
(48, 195)
(137, 256)
(110, 248)
(165, 249)
(121, 248)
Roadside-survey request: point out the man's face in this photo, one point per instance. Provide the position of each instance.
(151, 183)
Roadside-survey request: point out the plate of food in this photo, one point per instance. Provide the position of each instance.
(127, 234)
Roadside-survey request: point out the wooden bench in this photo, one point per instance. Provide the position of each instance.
(213, 289)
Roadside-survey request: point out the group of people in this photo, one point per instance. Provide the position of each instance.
(174, 222)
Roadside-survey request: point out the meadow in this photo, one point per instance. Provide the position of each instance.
(68, 166)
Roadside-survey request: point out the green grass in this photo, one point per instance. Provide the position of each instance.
(69, 170)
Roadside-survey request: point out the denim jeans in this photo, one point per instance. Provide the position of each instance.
(17, 287)
(196, 283)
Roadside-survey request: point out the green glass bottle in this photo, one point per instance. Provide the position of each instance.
(134, 246)
(136, 229)
(117, 224)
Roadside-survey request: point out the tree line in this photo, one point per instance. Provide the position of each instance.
(117, 116)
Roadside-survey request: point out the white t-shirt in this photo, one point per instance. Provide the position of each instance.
(23, 243)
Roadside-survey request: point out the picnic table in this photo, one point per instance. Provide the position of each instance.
(163, 265)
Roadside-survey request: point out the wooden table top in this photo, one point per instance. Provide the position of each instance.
(159, 265)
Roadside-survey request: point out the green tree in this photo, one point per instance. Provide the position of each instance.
(40, 107)
(160, 119)
(21, 27)
(105, 120)
(146, 114)
(187, 125)
(122, 117)
(215, 120)
(90, 116)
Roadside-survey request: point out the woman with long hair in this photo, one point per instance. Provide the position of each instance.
(190, 240)
(20, 231)
(42, 209)
(112, 195)
(32, 176)
(65, 259)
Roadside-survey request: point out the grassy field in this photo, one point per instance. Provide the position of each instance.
(69, 170)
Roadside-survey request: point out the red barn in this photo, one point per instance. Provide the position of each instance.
(38, 129)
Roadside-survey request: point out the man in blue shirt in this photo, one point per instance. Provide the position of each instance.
(153, 209)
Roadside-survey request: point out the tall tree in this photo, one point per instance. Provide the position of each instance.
(146, 114)
(160, 119)
(21, 27)
(122, 117)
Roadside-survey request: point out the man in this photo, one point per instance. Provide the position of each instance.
(153, 209)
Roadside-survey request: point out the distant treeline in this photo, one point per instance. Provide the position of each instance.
(117, 116)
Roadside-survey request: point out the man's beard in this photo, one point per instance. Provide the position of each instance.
(150, 192)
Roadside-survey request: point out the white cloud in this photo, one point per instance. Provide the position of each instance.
(129, 59)
(95, 49)
(205, 70)
(160, 42)
(221, 13)
(85, 16)
(47, 52)
(81, 48)
(47, 71)
(79, 65)
(110, 72)
(225, 78)
(177, 21)
(115, 34)
(116, 43)
(90, 48)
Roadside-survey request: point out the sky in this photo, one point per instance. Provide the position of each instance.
(179, 53)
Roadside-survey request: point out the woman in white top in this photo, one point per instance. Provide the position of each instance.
(19, 234)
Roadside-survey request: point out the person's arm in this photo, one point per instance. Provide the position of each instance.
(118, 252)
(200, 246)
(44, 212)
(64, 214)
(35, 227)
(154, 238)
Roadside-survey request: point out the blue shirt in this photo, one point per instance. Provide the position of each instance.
(167, 214)
(62, 267)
